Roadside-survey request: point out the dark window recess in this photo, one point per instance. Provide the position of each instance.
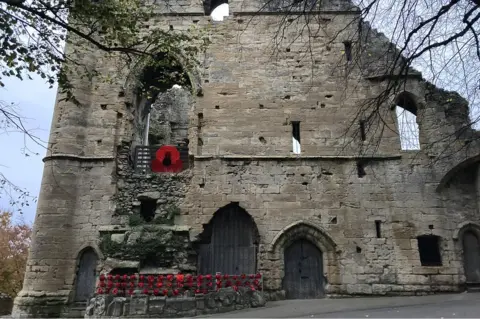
(378, 230)
(363, 135)
(147, 209)
(123, 271)
(348, 50)
(361, 169)
(429, 249)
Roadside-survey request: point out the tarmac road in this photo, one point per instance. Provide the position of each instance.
(463, 305)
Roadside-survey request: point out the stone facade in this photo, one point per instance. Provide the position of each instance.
(239, 113)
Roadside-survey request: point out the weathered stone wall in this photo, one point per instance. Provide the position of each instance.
(224, 300)
(240, 135)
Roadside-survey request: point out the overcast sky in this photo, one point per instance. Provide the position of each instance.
(35, 101)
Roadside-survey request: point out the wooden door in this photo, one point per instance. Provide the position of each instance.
(471, 257)
(303, 271)
(232, 246)
(86, 275)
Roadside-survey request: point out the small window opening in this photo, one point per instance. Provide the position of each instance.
(147, 209)
(296, 137)
(348, 50)
(220, 11)
(363, 135)
(378, 225)
(361, 169)
(407, 123)
(429, 249)
(359, 250)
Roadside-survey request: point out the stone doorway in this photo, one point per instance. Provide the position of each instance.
(303, 271)
(229, 243)
(86, 275)
(471, 257)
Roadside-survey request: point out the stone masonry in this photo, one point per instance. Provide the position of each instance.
(236, 116)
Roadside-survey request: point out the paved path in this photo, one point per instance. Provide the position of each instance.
(464, 305)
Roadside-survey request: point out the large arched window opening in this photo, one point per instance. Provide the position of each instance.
(216, 9)
(162, 105)
(408, 130)
(229, 243)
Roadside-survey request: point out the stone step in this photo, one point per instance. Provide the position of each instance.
(473, 286)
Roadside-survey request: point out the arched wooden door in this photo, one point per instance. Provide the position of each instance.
(86, 275)
(232, 246)
(471, 257)
(303, 271)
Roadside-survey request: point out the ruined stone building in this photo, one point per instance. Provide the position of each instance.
(270, 181)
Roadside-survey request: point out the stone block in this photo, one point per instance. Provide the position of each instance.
(116, 307)
(138, 305)
(156, 305)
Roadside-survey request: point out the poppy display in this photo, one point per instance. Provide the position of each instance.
(167, 160)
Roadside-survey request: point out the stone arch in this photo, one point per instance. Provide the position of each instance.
(210, 5)
(462, 165)
(466, 226)
(229, 242)
(304, 230)
(85, 274)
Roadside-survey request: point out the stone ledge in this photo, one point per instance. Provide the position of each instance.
(292, 157)
(78, 158)
(121, 229)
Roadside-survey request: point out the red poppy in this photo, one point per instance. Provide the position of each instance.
(159, 284)
(145, 291)
(150, 278)
(110, 284)
(156, 292)
(132, 284)
(180, 278)
(258, 276)
(160, 278)
(117, 277)
(256, 282)
(243, 276)
(165, 292)
(131, 292)
(100, 291)
(189, 278)
(109, 277)
(125, 277)
(209, 277)
(142, 277)
(218, 276)
(175, 292)
(226, 276)
(197, 291)
(124, 285)
(169, 277)
(102, 284)
(234, 277)
(200, 278)
(102, 277)
(115, 291)
(117, 285)
(235, 288)
(133, 277)
(140, 284)
(252, 276)
(167, 159)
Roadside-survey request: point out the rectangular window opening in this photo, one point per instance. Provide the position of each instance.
(361, 169)
(147, 209)
(296, 137)
(348, 50)
(378, 225)
(429, 249)
(363, 135)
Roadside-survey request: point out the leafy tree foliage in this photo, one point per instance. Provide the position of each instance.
(14, 244)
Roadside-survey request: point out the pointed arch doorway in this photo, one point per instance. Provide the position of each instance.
(86, 275)
(303, 271)
(229, 243)
(471, 257)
